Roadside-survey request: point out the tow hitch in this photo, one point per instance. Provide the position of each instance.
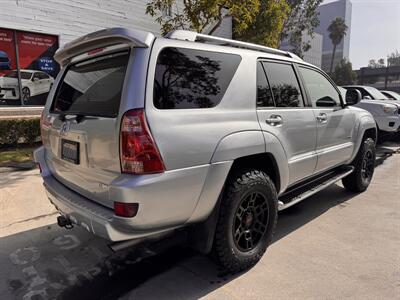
(65, 222)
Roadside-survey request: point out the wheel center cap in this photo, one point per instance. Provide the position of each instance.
(248, 219)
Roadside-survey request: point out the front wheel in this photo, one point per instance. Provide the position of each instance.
(364, 166)
(247, 220)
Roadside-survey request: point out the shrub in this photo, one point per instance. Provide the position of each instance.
(15, 131)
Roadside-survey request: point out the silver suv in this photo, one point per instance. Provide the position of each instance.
(146, 136)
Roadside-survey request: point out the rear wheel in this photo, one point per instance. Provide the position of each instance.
(247, 220)
(26, 95)
(364, 165)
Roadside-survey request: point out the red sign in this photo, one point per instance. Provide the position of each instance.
(36, 52)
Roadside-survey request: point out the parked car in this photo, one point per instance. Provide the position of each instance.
(386, 112)
(147, 136)
(5, 62)
(391, 95)
(33, 83)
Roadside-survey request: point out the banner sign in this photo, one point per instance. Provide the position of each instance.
(36, 52)
(36, 62)
(8, 59)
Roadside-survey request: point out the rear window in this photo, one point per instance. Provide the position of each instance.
(93, 87)
(188, 78)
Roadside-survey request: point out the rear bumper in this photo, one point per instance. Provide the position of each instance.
(95, 218)
(166, 201)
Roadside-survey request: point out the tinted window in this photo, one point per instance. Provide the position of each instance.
(264, 96)
(284, 84)
(93, 87)
(187, 78)
(43, 76)
(319, 88)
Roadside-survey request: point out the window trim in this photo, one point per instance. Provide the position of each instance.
(298, 66)
(283, 62)
(259, 62)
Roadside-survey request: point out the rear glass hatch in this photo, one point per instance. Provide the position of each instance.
(82, 144)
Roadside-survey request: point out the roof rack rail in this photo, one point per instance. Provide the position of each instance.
(192, 36)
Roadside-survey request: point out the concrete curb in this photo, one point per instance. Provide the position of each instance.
(14, 167)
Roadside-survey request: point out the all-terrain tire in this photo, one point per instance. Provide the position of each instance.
(364, 165)
(242, 187)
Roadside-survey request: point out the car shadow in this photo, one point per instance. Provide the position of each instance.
(51, 262)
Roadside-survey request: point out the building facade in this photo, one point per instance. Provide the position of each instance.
(314, 54)
(327, 13)
(32, 30)
(386, 78)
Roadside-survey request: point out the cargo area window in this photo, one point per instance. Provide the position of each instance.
(188, 78)
(93, 87)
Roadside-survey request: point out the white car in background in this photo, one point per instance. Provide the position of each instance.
(386, 112)
(391, 95)
(33, 83)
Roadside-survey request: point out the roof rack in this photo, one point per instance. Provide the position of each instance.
(192, 36)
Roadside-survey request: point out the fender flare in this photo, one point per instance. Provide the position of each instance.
(366, 122)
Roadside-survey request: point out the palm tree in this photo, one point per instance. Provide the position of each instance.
(337, 30)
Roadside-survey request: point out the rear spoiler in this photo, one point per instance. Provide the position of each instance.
(103, 38)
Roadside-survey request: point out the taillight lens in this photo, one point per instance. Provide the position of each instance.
(138, 151)
(126, 210)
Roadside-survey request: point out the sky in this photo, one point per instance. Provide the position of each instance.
(375, 30)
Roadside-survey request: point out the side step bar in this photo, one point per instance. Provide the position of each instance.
(314, 188)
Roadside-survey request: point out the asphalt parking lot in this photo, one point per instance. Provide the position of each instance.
(334, 245)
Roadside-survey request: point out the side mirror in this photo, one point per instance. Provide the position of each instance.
(326, 102)
(35, 79)
(368, 98)
(353, 96)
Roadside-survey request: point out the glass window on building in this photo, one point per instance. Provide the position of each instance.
(27, 67)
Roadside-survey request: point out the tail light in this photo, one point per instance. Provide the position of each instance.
(44, 124)
(138, 151)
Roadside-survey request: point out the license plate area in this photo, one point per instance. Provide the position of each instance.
(70, 151)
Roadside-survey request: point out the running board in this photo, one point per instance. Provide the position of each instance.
(314, 188)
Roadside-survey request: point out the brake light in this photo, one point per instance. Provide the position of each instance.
(138, 151)
(95, 51)
(126, 210)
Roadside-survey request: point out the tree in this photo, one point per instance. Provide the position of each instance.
(372, 63)
(375, 65)
(267, 25)
(393, 59)
(381, 63)
(197, 15)
(303, 18)
(344, 74)
(337, 30)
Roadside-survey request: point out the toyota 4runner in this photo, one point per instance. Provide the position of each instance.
(144, 136)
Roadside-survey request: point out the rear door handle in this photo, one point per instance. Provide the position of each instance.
(322, 118)
(274, 120)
